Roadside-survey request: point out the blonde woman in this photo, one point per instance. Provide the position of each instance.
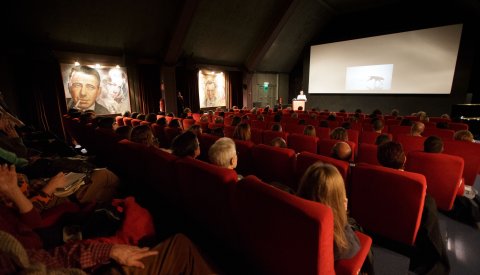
(323, 183)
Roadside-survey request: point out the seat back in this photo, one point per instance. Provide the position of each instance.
(136, 122)
(367, 153)
(370, 137)
(228, 131)
(353, 135)
(411, 143)
(187, 123)
(305, 159)
(444, 134)
(301, 142)
(119, 120)
(274, 164)
(443, 173)
(282, 233)
(396, 130)
(244, 149)
(161, 177)
(387, 202)
(324, 147)
(455, 126)
(258, 124)
(470, 152)
(170, 134)
(206, 140)
(322, 132)
(257, 135)
(268, 135)
(205, 194)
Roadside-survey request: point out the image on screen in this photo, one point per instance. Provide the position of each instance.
(414, 62)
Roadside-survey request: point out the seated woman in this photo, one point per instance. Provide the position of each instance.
(323, 183)
(463, 135)
(242, 132)
(310, 131)
(143, 134)
(339, 133)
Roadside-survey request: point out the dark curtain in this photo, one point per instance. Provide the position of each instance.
(144, 83)
(39, 90)
(187, 84)
(236, 81)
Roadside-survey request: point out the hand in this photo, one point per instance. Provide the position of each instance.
(130, 255)
(58, 181)
(8, 181)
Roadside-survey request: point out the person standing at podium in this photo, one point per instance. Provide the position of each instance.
(301, 96)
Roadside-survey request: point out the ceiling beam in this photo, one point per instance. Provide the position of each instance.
(270, 36)
(175, 45)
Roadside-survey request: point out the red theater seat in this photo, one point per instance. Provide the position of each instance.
(281, 233)
(387, 202)
(206, 196)
(370, 137)
(305, 159)
(170, 134)
(367, 153)
(325, 147)
(470, 152)
(206, 140)
(411, 143)
(228, 131)
(322, 132)
(444, 134)
(458, 126)
(257, 135)
(262, 125)
(245, 161)
(119, 120)
(187, 123)
(396, 130)
(136, 122)
(301, 142)
(268, 135)
(443, 173)
(273, 164)
(160, 176)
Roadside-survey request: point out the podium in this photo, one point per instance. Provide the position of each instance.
(298, 103)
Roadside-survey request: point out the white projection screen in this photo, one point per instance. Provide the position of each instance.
(414, 62)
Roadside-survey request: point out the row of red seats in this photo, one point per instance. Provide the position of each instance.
(277, 232)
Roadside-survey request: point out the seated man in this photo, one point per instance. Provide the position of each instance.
(342, 151)
(433, 144)
(186, 145)
(224, 154)
(278, 142)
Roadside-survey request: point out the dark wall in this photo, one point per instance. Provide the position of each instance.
(398, 19)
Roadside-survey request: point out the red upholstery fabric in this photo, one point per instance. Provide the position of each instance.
(274, 164)
(127, 121)
(268, 135)
(411, 143)
(136, 122)
(245, 161)
(145, 122)
(205, 194)
(353, 265)
(206, 140)
(444, 134)
(295, 129)
(282, 233)
(159, 133)
(353, 135)
(305, 159)
(257, 135)
(388, 202)
(187, 123)
(325, 147)
(322, 132)
(160, 178)
(370, 137)
(170, 134)
(367, 153)
(301, 142)
(439, 119)
(458, 126)
(470, 152)
(228, 131)
(258, 124)
(119, 120)
(443, 173)
(396, 130)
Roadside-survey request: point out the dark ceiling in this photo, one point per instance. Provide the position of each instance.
(258, 35)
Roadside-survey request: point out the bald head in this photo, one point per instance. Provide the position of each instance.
(342, 151)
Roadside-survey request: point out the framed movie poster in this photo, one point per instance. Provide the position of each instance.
(103, 89)
(211, 87)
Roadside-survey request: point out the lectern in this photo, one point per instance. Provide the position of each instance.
(298, 103)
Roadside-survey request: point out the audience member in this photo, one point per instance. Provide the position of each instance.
(463, 135)
(186, 145)
(433, 144)
(242, 132)
(406, 122)
(377, 125)
(339, 133)
(162, 121)
(277, 127)
(395, 112)
(323, 183)
(417, 129)
(236, 120)
(342, 151)
(196, 129)
(310, 131)
(429, 255)
(151, 117)
(223, 153)
(278, 142)
(124, 132)
(381, 139)
(143, 134)
(446, 116)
